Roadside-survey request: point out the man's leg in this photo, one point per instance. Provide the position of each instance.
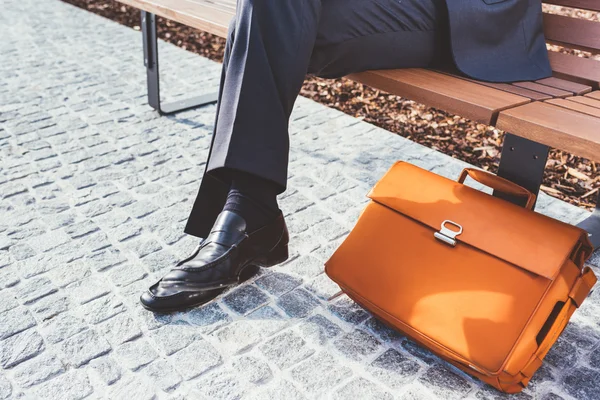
(360, 35)
(275, 43)
(267, 64)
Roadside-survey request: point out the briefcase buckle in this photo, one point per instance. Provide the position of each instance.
(447, 235)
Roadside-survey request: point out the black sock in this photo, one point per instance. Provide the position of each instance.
(253, 198)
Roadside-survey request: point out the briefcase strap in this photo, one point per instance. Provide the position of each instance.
(498, 183)
(579, 292)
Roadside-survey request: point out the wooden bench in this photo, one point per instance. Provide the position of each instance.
(562, 111)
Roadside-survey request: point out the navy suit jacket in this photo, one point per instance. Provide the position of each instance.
(499, 40)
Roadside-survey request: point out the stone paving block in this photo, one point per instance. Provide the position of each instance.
(267, 321)
(81, 229)
(47, 262)
(65, 274)
(323, 287)
(5, 259)
(208, 317)
(319, 329)
(62, 326)
(297, 303)
(30, 290)
(150, 320)
(119, 329)
(306, 266)
(382, 331)
(73, 385)
(281, 389)
(37, 370)
(544, 375)
(581, 383)
(9, 276)
(8, 300)
(252, 369)
(172, 338)
(126, 274)
(136, 354)
(15, 321)
(286, 349)
(196, 359)
(237, 337)
(105, 259)
(245, 299)
(420, 352)
(163, 375)
(445, 383)
(107, 369)
(362, 389)
(357, 344)
(101, 309)
(84, 347)
(552, 396)
(5, 388)
(133, 387)
(49, 241)
(348, 311)
(563, 354)
(20, 251)
(20, 347)
(144, 247)
(221, 385)
(490, 393)
(320, 373)
(416, 392)
(277, 283)
(88, 289)
(394, 369)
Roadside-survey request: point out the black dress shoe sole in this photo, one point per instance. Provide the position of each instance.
(172, 310)
(247, 273)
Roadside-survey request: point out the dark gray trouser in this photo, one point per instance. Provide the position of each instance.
(272, 45)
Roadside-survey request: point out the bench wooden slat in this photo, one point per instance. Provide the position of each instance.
(506, 87)
(592, 5)
(449, 93)
(554, 126)
(573, 87)
(218, 4)
(194, 14)
(537, 96)
(543, 89)
(571, 32)
(594, 95)
(571, 105)
(582, 70)
(588, 101)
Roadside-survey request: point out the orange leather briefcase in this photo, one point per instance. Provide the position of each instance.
(485, 284)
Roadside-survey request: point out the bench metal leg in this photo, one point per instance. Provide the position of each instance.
(523, 162)
(592, 225)
(152, 71)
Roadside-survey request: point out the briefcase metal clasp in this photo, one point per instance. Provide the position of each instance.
(447, 235)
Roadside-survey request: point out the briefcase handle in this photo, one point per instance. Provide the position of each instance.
(497, 183)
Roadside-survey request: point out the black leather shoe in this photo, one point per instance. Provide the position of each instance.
(222, 260)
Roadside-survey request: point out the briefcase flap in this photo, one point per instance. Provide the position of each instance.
(529, 240)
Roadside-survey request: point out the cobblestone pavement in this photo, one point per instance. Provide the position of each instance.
(95, 189)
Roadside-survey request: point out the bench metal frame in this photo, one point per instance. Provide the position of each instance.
(523, 162)
(148, 22)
